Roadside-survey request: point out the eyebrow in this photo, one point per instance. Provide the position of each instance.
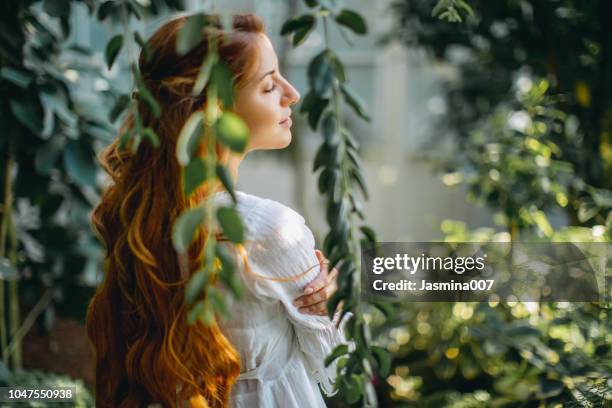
(266, 74)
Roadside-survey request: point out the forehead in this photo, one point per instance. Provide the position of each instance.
(266, 56)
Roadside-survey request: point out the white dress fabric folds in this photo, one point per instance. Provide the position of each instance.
(282, 350)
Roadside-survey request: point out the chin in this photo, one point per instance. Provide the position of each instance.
(282, 141)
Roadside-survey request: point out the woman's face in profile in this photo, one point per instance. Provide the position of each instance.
(264, 102)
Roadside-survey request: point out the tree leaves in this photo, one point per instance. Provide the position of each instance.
(352, 20)
(185, 226)
(79, 163)
(354, 102)
(338, 351)
(221, 77)
(300, 27)
(320, 73)
(232, 131)
(190, 34)
(195, 285)
(231, 224)
(189, 138)
(122, 102)
(194, 174)
(112, 50)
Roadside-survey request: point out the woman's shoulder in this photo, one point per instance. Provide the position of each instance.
(265, 217)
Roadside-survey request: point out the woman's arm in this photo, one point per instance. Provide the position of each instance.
(319, 291)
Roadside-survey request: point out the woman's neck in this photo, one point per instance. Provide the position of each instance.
(233, 162)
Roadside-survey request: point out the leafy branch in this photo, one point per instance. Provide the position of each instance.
(342, 181)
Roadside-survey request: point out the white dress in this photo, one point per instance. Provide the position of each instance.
(282, 350)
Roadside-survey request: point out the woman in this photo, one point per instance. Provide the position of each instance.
(271, 352)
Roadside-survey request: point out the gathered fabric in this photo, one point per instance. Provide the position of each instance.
(282, 350)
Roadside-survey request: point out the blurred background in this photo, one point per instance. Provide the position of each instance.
(497, 127)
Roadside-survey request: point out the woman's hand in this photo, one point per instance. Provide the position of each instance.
(317, 293)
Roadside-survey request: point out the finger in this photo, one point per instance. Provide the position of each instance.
(321, 295)
(316, 309)
(317, 285)
(320, 281)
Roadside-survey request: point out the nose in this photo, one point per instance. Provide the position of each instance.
(291, 96)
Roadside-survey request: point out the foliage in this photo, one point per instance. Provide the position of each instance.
(530, 137)
(499, 354)
(508, 47)
(340, 180)
(49, 175)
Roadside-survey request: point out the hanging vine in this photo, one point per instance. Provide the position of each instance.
(342, 182)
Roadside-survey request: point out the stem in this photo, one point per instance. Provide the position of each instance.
(28, 323)
(354, 243)
(6, 220)
(14, 299)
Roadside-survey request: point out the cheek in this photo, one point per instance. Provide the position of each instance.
(261, 115)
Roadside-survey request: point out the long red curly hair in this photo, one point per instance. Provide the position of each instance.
(145, 351)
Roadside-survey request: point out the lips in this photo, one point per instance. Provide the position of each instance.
(286, 122)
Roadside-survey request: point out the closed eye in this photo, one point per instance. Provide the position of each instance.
(273, 87)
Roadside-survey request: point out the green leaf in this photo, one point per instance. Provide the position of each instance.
(297, 23)
(228, 265)
(189, 138)
(320, 73)
(107, 8)
(326, 157)
(311, 3)
(439, 8)
(79, 163)
(358, 177)
(28, 114)
(194, 175)
(146, 52)
(204, 74)
(20, 78)
(352, 20)
(309, 101)
(352, 388)
(301, 35)
(122, 102)
(145, 93)
(334, 301)
(232, 131)
(338, 351)
(221, 76)
(228, 268)
(195, 312)
(218, 301)
(47, 155)
(300, 27)
(383, 359)
(226, 180)
(369, 234)
(190, 34)
(337, 67)
(354, 102)
(195, 285)
(231, 224)
(112, 49)
(315, 113)
(185, 227)
(57, 8)
(329, 128)
(151, 136)
(466, 7)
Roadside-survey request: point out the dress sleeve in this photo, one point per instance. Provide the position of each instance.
(281, 261)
